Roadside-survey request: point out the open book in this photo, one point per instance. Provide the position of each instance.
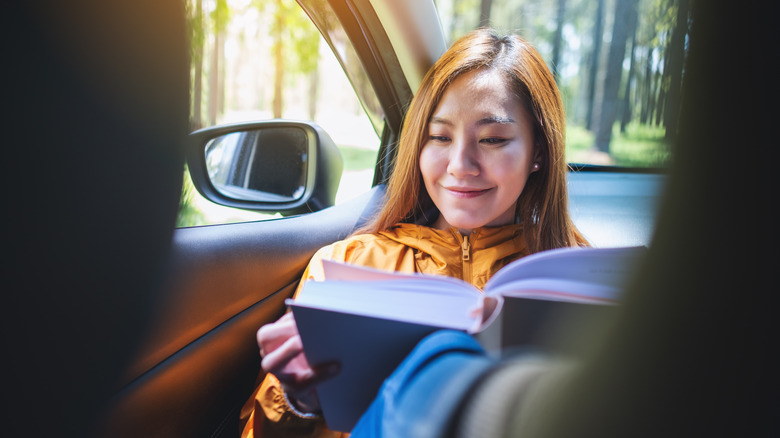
(369, 320)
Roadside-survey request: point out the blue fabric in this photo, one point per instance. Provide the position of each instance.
(421, 396)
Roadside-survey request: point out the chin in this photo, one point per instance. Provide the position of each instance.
(467, 224)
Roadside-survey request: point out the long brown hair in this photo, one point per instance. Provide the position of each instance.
(542, 207)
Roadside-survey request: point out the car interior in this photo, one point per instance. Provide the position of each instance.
(121, 325)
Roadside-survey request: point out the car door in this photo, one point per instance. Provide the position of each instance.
(199, 359)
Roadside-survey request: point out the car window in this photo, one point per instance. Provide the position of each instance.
(618, 64)
(263, 60)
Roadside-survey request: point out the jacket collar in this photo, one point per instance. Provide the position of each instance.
(494, 242)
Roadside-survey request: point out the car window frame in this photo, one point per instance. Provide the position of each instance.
(378, 62)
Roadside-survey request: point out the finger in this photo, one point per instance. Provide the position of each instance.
(270, 336)
(314, 376)
(325, 371)
(279, 328)
(274, 361)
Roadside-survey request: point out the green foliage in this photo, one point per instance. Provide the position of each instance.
(220, 16)
(640, 146)
(358, 158)
(304, 39)
(189, 213)
(292, 28)
(195, 30)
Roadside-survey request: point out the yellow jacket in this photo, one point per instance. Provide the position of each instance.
(405, 248)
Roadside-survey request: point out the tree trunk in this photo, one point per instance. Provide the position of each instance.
(213, 104)
(647, 107)
(626, 113)
(278, 52)
(663, 86)
(197, 65)
(197, 95)
(617, 53)
(453, 27)
(676, 62)
(558, 40)
(484, 13)
(598, 30)
(314, 80)
(222, 75)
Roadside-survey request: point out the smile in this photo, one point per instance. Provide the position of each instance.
(465, 193)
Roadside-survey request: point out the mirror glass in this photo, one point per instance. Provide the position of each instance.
(267, 164)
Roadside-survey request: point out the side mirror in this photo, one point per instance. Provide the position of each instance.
(282, 166)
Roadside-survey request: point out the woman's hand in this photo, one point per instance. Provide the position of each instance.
(282, 352)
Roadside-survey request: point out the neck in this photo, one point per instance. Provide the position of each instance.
(442, 224)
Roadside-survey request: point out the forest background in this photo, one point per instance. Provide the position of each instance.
(619, 65)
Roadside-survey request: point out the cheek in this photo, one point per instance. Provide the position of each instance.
(511, 174)
(428, 165)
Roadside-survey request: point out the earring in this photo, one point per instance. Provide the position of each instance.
(535, 166)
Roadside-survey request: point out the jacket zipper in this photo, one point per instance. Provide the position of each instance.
(465, 247)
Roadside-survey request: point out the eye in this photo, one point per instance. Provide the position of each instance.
(439, 138)
(495, 141)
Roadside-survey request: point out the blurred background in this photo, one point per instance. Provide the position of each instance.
(618, 63)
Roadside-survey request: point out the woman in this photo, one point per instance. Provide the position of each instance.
(480, 181)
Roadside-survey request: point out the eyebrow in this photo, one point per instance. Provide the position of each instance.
(496, 119)
(483, 121)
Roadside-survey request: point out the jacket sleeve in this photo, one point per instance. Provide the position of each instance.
(267, 412)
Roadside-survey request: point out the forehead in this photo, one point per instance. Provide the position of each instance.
(483, 91)
(480, 80)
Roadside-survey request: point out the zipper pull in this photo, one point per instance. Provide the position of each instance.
(466, 249)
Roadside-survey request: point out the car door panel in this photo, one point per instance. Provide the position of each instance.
(200, 359)
(199, 389)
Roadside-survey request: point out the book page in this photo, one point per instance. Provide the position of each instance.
(553, 289)
(349, 272)
(609, 267)
(440, 303)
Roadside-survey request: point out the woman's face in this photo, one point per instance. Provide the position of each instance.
(478, 153)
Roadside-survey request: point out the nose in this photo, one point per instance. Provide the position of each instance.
(463, 160)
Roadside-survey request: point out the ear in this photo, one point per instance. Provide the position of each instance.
(537, 162)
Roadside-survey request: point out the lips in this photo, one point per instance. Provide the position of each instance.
(466, 192)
